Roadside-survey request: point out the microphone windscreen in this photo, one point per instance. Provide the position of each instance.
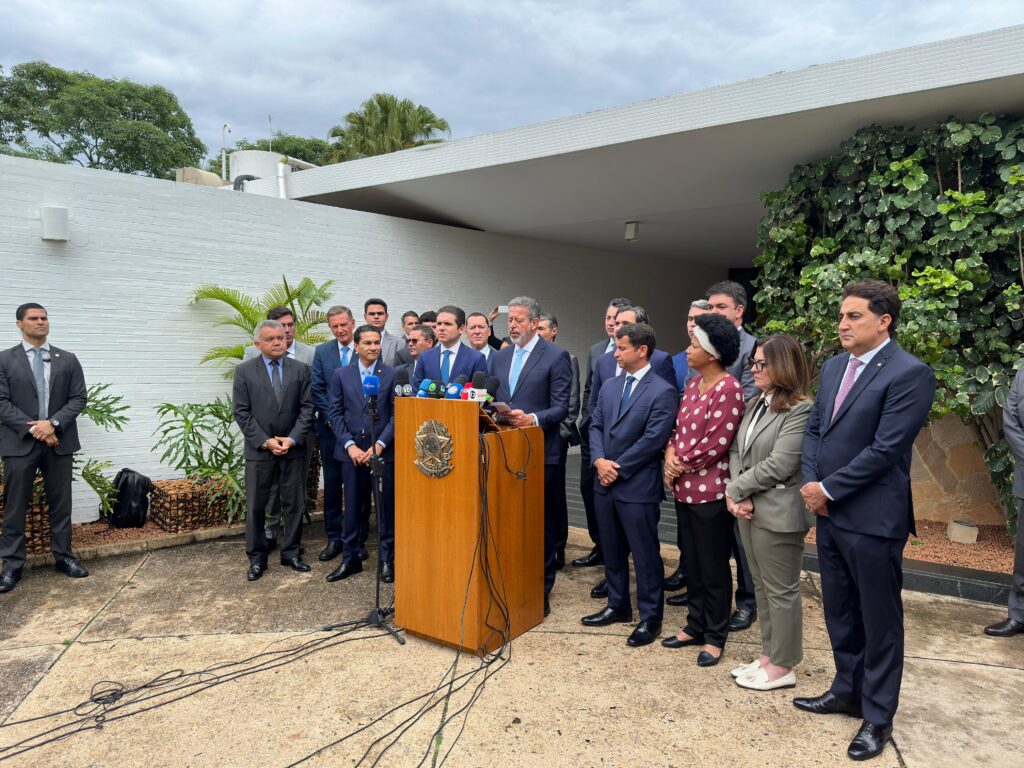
(492, 386)
(371, 386)
(407, 390)
(453, 391)
(460, 380)
(425, 385)
(401, 376)
(479, 380)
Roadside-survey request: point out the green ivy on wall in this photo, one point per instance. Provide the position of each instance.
(939, 213)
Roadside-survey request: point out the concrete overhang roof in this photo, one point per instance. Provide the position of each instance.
(688, 167)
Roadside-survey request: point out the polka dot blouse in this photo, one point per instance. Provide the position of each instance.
(705, 428)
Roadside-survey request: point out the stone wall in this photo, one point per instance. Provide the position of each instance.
(951, 481)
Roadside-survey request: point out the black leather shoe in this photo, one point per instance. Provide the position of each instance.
(674, 642)
(331, 551)
(741, 619)
(644, 634)
(827, 704)
(675, 582)
(9, 579)
(1007, 628)
(255, 571)
(346, 569)
(364, 554)
(705, 659)
(607, 616)
(296, 564)
(600, 592)
(70, 567)
(547, 605)
(682, 599)
(387, 573)
(587, 561)
(869, 741)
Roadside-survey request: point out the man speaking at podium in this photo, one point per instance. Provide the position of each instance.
(535, 380)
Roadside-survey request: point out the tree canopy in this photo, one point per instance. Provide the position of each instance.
(75, 117)
(938, 213)
(384, 123)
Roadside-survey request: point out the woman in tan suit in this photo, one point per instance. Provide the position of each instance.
(764, 495)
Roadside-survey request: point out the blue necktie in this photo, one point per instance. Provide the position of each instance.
(517, 368)
(626, 392)
(40, 376)
(446, 365)
(344, 356)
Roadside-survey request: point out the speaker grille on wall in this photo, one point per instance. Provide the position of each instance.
(54, 223)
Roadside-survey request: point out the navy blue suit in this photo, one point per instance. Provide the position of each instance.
(634, 436)
(467, 362)
(326, 360)
(682, 369)
(606, 368)
(349, 415)
(543, 389)
(862, 459)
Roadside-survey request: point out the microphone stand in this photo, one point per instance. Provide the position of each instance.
(377, 617)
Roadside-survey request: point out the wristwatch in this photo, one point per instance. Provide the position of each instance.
(56, 423)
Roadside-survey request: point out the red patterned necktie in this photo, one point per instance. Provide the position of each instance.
(847, 385)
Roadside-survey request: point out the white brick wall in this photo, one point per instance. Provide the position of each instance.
(117, 294)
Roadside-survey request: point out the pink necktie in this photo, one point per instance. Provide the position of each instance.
(847, 385)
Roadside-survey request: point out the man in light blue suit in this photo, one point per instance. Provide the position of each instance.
(327, 358)
(353, 427)
(871, 404)
(449, 358)
(628, 432)
(535, 381)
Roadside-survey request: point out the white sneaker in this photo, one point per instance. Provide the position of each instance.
(746, 669)
(758, 681)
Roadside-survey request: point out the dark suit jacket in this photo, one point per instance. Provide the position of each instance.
(862, 456)
(349, 411)
(467, 362)
(257, 411)
(568, 429)
(544, 389)
(593, 355)
(661, 364)
(326, 359)
(740, 369)
(636, 438)
(19, 403)
(682, 369)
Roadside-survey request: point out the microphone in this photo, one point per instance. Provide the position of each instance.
(477, 391)
(492, 387)
(407, 390)
(466, 390)
(479, 380)
(434, 389)
(425, 386)
(401, 382)
(454, 389)
(371, 388)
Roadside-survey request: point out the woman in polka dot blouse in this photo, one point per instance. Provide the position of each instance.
(697, 470)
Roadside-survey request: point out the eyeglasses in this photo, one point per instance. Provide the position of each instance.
(757, 365)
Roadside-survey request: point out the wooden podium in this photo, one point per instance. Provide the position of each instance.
(438, 520)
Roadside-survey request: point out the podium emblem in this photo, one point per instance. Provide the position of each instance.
(434, 449)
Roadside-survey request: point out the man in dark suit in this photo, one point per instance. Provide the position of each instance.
(729, 299)
(606, 368)
(273, 403)
(42, 391)
(478, 335)
(450, 358)
(587, 475)
(535, 381)
(568, 433)
(354, 430)
(871, 404)
(631, 424)
(327, 358)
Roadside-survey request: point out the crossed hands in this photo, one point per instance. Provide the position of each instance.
(743, 509)
(278, 446)
(607, 471)
(673, 468)
(44, 432)
(363, 457)
(815, 499)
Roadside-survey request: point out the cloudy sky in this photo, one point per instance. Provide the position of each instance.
(484, 65)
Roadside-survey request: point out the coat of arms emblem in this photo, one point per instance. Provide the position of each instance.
(434, 449)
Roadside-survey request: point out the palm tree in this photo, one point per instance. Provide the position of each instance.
(384, 123)
(303, 299)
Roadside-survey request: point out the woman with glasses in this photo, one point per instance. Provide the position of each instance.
(764, 495)
(697, 470)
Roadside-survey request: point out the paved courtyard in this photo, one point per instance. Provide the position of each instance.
(257, 683)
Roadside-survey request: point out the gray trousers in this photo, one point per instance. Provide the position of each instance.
(273, 510)
(1017, 589)
(775, 560)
